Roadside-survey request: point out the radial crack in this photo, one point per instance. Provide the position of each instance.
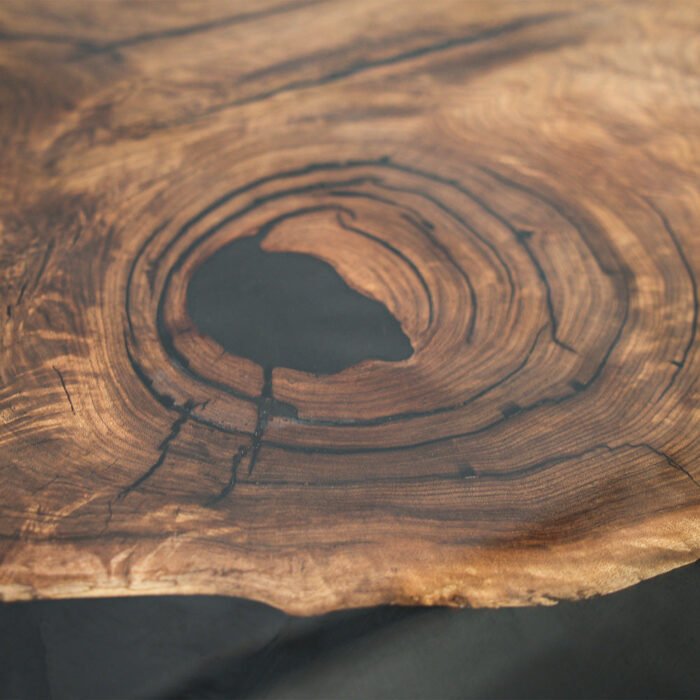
(65, 388)
(253, 449)
(669, 460)
(679, 364)
(164, 447)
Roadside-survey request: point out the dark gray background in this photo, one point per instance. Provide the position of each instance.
(639, 643)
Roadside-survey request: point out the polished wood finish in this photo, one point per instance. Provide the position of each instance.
(516, 184)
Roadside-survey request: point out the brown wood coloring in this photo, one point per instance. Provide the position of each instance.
(505, 194)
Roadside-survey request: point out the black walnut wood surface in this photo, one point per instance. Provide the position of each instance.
(330, 304)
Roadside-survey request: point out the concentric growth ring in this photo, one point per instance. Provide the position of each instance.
(477, 292)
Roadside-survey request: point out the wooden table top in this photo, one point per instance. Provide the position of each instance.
(331, 304)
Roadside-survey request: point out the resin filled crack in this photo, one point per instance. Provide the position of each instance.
(286, 310)
(289, 310)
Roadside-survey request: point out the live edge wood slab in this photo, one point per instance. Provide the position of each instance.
(330, 304)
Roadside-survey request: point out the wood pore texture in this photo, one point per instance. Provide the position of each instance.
(516, 183)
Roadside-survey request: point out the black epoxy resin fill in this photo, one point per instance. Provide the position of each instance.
(289, 310)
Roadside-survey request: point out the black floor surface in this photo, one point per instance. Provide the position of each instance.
(643, 642)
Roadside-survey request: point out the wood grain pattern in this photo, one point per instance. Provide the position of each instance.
(513, 186)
